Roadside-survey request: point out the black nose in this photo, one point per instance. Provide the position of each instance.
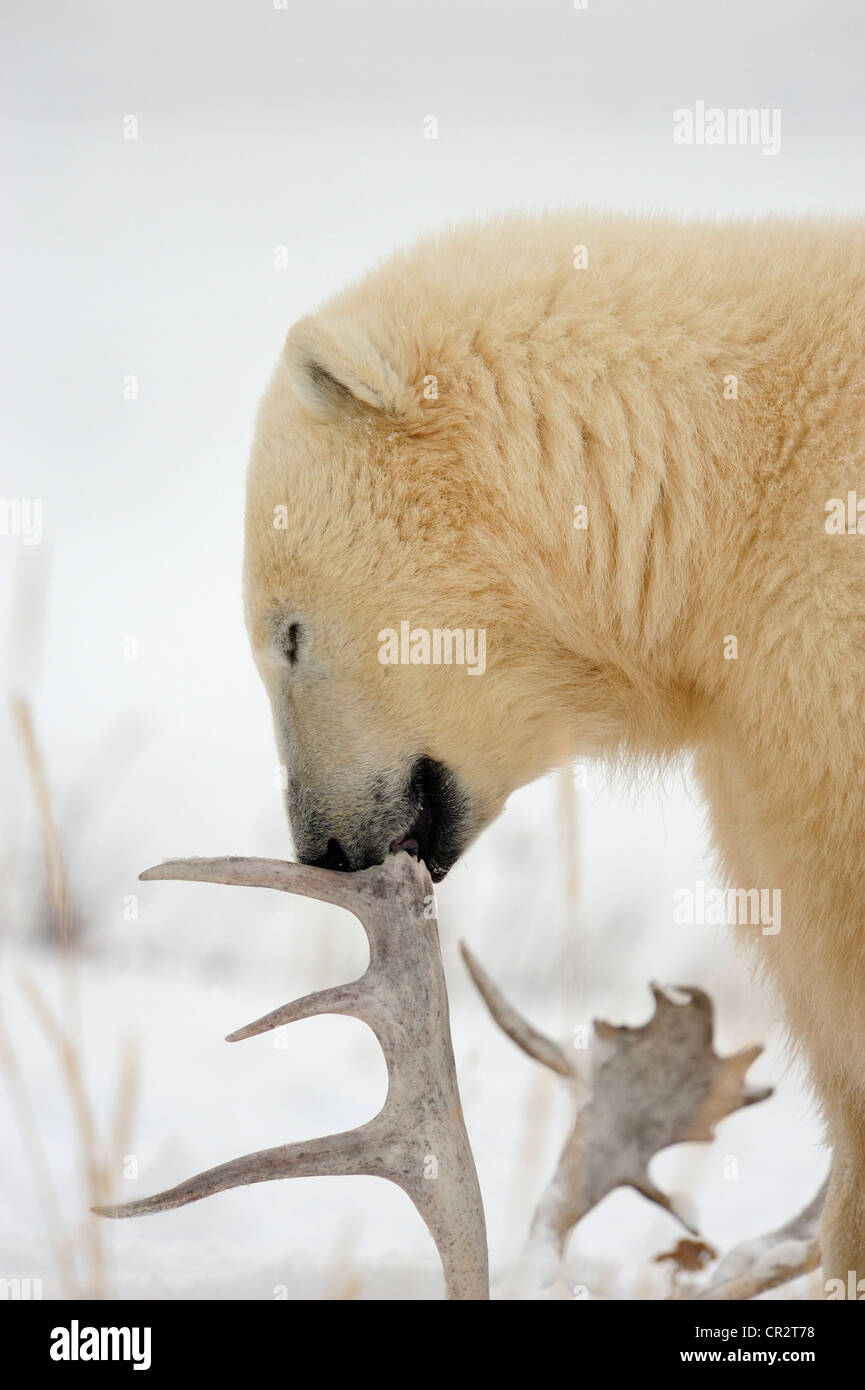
(334, 857)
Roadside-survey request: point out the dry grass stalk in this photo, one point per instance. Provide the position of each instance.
(63, 1031)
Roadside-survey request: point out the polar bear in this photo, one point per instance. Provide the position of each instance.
(630, 452)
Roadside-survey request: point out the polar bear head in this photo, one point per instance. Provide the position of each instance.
(410, 604)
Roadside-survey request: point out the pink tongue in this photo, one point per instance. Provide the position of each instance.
(405, 842)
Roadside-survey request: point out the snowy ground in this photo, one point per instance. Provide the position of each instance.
(201, 960)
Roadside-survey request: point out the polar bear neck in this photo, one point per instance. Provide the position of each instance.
(639, 412)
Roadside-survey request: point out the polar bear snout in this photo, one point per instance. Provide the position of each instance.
(428, 816)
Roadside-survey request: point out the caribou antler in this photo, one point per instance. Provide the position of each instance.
(418, 1139)
(642, 1090)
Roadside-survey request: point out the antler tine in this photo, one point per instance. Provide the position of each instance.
(342, 999)
(754, 1266)
(335, 1155)
(364, 893)
(418, 1140)
(512, 1022)
(327, 885)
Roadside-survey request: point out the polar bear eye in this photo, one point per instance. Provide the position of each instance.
(292, 640)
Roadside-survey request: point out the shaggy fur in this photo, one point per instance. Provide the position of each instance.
(604, 387)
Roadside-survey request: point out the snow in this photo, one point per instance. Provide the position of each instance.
(204, 1100)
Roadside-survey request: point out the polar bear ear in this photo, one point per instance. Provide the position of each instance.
(336, 368)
